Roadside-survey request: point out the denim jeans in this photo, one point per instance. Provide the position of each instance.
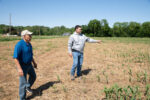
(77, 62)
(23, 83)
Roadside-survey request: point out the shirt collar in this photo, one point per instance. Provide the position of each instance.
(25, 42)
(77, 33)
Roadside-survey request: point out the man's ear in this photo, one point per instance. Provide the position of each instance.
(23, 36)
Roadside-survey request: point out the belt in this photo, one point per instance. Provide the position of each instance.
(73, 50)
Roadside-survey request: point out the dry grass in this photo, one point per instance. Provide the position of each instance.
(105, 64)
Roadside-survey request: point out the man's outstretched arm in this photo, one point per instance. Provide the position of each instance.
(92, 40)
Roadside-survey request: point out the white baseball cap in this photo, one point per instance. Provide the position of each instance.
(24, 32)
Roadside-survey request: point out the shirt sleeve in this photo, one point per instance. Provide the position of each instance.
(91, 40)
(70, 43)
(17, 51)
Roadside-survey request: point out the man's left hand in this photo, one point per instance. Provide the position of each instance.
(35, 65)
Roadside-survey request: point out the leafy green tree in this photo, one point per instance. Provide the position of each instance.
(105, 29)
(145, 29)
(134, 29)
(120, 29)
(94, 27)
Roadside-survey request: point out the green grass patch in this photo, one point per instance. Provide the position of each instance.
(123, 39)
(104, 39)
(1, 89)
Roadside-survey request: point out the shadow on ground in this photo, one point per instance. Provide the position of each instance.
(86, 71)
(38, 91)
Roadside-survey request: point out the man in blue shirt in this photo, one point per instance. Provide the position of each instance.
(23, 57)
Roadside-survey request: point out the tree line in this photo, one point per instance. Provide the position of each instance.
(95, 28)
(37, 30)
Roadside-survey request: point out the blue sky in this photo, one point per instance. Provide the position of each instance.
(72, 12)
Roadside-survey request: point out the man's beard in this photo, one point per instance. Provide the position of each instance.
(28, 40)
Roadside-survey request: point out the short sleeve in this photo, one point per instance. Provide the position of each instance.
(17, 50)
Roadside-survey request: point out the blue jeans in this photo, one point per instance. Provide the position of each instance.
(23, 83)
(77, 62)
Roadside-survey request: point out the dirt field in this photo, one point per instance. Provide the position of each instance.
(118, 61)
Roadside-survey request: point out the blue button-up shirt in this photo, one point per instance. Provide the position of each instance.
(23, 52)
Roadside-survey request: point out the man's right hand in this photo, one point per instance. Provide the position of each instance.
(20, 72)
(99, 41)
(70, 54)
